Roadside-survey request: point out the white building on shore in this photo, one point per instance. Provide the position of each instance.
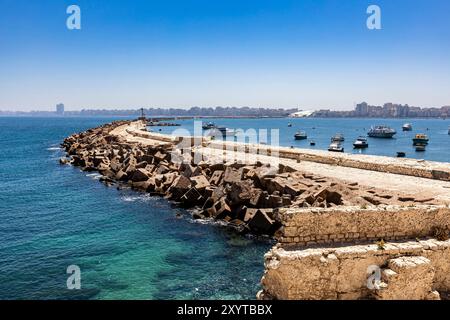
(301, 114)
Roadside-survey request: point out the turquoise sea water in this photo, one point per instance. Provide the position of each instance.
(128, 245)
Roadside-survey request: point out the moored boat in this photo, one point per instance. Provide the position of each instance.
(381, 132)
(336, 146)
(208, 126)
(420, 139)
(361, 143)
(312, 143)
(301, 135)
(407, 127)
(401, 154)
(338, 137)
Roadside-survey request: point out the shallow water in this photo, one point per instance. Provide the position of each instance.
(128, 245)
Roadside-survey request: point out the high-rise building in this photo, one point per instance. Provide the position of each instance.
(60, 108)
(362, 109)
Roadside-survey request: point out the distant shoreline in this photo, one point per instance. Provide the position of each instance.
(162, 117)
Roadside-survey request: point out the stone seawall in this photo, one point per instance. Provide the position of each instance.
(409, 270)
(303, 227)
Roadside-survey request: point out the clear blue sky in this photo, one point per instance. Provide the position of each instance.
(181, 53)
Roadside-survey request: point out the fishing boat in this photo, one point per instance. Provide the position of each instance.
(361, 143)
(336, 146)
(401, 154)
(301, 135)
(208, 126)
(407, 127)
(381, 132)
(338, 137)
(420, 139)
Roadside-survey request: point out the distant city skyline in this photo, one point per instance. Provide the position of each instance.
(279, 54)
(361, 110)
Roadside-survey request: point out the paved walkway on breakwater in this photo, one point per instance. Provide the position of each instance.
(407, 184)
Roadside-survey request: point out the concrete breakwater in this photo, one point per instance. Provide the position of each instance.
(246, 196)
(313, 212)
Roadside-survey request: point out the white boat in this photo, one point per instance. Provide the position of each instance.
(381, 132)
(336, 146)
(407, 127)
(361, 143)
(301, 135)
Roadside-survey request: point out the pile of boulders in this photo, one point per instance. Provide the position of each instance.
(246, 196)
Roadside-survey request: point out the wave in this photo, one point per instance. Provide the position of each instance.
(95, 176)
(134, 198)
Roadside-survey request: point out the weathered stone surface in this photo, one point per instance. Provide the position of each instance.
(160, 156)
(161, 169)
(190, 171)
(257, 197)
(180, 186)
(261, 222)
(364, 224)
(231, 175)
(140, 175)
(406, 199)
(241, 192)
(275, 184)
(192, 197)
(142, 185)
(249, 214)
(200, 182)
(218, 193)
(222, 209)
(407, 278)
(216, 177)
(141, 165)
(274, 201)
(285, 168)
(343, 272)
(329, 195)
(294, 189)
(121, 175)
